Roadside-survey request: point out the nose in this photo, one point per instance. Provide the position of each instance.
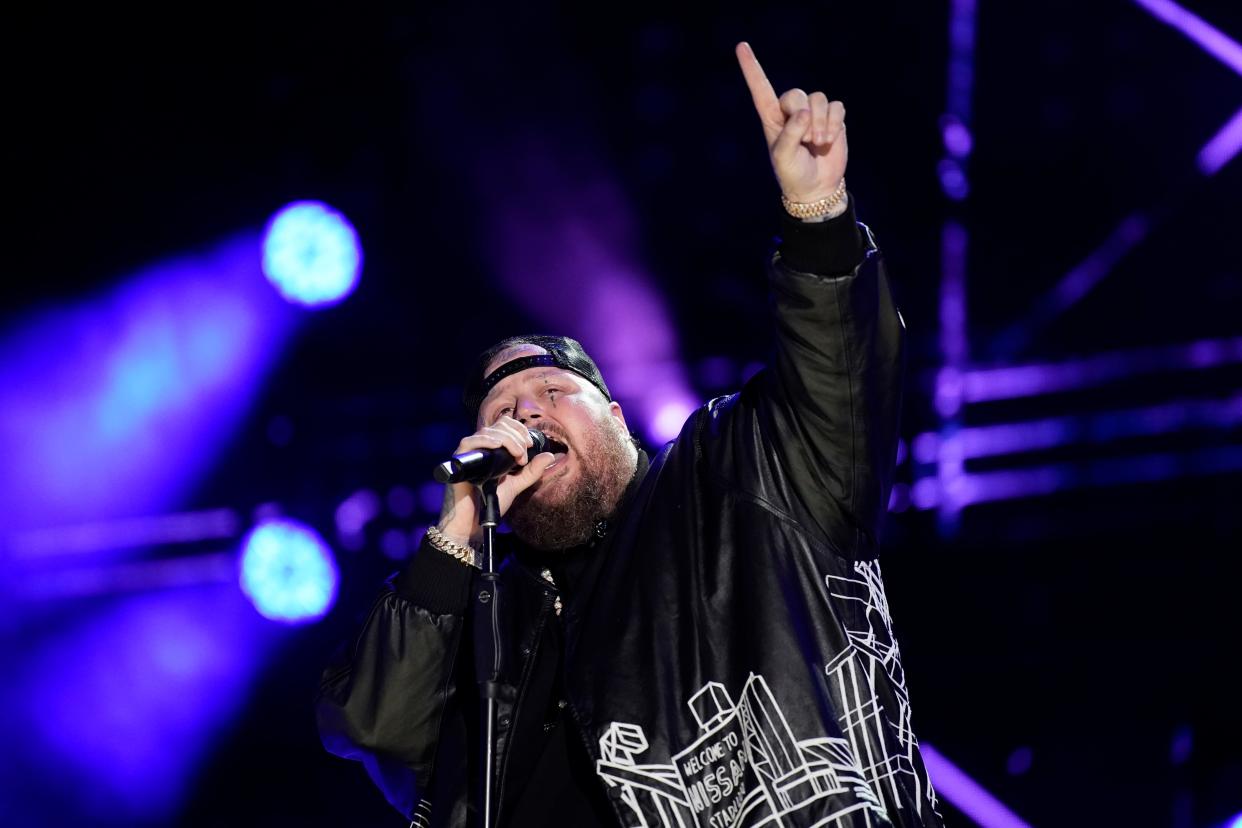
(528, 409)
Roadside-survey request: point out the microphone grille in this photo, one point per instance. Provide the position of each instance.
(540, 440)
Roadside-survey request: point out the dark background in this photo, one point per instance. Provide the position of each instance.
(1095, 627)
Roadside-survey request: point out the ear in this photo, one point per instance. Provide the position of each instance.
(614, 408)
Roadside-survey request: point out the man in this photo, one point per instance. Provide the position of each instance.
(701, 638)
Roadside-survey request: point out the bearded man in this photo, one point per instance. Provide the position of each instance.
(701, 638)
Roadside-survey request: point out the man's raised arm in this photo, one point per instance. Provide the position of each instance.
(839, 345)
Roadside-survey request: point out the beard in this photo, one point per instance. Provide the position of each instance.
(564, 519)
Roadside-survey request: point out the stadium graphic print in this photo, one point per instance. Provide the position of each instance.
(747, 769)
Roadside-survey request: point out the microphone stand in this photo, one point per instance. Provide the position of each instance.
(487, 652)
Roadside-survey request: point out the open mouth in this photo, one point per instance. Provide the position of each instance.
(555, 446)
(558, 448)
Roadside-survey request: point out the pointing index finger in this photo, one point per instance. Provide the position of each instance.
(761, 92)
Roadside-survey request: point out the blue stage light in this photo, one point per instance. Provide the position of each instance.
(127, 699)
(311, 254)
(116, 405)
(288, 572)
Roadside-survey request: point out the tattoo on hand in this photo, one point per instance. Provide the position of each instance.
(448, 509)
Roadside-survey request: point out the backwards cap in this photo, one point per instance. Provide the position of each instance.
(562, 352)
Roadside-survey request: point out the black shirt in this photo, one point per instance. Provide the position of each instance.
(552, 776)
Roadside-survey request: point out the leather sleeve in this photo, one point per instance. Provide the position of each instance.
(835, 391)
(392, 695)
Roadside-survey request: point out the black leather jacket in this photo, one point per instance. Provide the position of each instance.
(729, 655)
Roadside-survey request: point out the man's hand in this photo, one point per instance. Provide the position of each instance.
(805, 133)
(459, 517)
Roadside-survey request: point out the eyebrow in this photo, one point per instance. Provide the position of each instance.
(548, 375)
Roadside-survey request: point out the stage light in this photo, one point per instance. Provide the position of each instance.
(287, 571)
(669, 419)
(953, 179)
(311, 254)
(1181, 745)
(127, 698)
(957, 139)
(1020, 761)
(967, 795)
(115, 405)
(925, 494)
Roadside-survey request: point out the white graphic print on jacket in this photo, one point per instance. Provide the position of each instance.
(746, 768)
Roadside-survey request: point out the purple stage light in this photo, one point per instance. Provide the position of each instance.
(989, 487)
(401, 501)
(1181, 745)
(124, 533)
(1212, 40)
(288, 571)
(1079, 281)
(1206, 353)
(1221, 149)
(395, 544)
(953, 180)
(899, 500)
(122, 577)
(311, 254)
(669, 419)
(948, 392)
(961, 79)
(1228, 141)
(961, 58)
(954, 342)
(951, 472)
(925, 493)
(1019, 761)
(1054, 432)
(431, 497)
(123, 705)
(926, 447)
(954, 346)
(967, 795)
(357, 510)
(118, 405)
(563, 251)
(992, 384)
(957, 138)
(1214, 155)
(1076, 284)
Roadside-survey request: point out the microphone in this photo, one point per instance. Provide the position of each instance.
(478, 465)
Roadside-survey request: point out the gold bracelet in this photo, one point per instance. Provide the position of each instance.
(460, 551)
(814, 209)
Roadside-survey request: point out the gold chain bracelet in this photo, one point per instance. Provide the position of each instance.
(814, 209)
(460, 551)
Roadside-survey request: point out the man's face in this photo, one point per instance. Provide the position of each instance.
(596, 458)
